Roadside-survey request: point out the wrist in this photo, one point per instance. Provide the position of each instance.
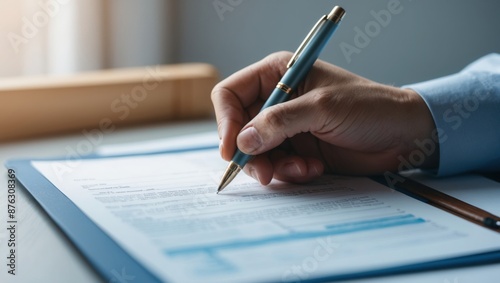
(422, 143)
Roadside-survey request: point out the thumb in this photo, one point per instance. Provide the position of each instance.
(273, 125)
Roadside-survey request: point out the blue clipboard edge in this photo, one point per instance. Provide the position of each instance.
(108, 258)
(457, 262)
(111, 261)
(103, 254)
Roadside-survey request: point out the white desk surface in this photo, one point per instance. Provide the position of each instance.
(46, 255)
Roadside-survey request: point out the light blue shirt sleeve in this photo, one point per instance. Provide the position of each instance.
(466, 111)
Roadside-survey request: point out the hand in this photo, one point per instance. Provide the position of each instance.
(336, 122)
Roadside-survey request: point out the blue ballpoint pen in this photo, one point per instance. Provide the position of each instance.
(297, 69)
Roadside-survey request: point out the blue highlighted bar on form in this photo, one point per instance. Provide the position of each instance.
(336, 229)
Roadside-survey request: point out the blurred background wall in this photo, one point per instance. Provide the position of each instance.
(390, 41)
(426, 39)
(68, 36)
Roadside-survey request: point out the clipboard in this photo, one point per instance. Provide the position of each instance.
(112, 262)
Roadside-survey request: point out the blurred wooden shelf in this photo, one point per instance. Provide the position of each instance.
(33, 106)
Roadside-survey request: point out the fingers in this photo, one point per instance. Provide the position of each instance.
(272, 126)
(297, 169)
(294, 169)
(260, 168)
(242, 94)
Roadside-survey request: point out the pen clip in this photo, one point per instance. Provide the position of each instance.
(306, 40)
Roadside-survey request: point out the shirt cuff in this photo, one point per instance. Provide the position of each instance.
(464, 115)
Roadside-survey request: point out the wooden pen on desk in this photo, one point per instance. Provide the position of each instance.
(449, 203)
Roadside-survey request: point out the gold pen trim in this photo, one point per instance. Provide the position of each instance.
(306, 40)
(335, 16)
(284, 87)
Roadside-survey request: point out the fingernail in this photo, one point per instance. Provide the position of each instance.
(249, 140)
(292, 169)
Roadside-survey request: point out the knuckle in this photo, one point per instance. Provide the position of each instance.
(323, 100)
(277, 119)
(214, 94)
(217, 92)
(280, 58)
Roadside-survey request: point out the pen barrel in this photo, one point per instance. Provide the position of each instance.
(299, 70)
(295, 74)
(241, 158)
(448, 203)
(276, 97)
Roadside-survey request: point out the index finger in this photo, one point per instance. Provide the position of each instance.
(235, 96)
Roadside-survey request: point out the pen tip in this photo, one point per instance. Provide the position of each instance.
(221, 187)
(232, 170)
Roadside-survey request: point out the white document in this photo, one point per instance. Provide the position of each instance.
(163, 210)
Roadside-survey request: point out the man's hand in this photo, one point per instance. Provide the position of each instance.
(336, 122)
